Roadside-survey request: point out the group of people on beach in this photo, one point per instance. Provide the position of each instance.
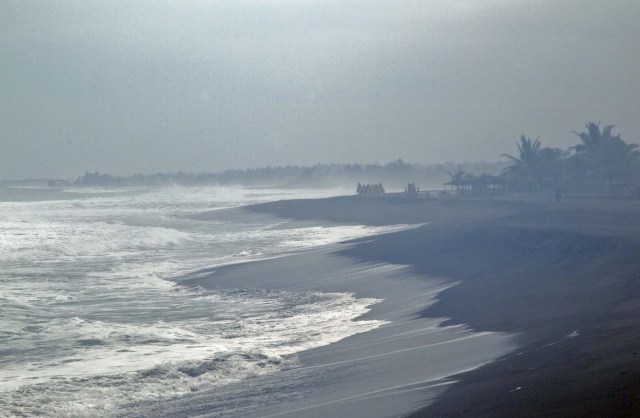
(370, 189)
(411, 190)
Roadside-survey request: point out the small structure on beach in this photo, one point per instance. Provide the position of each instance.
(484, 184)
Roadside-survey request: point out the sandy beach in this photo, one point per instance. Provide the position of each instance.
(388, 371)
(561, 277)
(544, 295)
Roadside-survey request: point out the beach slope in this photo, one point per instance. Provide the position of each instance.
(564, 278)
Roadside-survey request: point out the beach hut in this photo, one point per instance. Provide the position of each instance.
(483, 184)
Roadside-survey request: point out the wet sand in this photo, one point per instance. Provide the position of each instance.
(386, 372)
(563, 278)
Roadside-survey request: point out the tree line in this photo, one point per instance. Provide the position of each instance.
(394, 174)
(600, 163)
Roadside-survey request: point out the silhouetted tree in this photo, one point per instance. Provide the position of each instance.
(458, 175)
(535, 167)
(602, 155)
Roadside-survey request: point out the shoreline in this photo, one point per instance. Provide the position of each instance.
(378, 373)
(561, 277)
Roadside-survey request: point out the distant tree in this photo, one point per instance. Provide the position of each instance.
(602, 155)
(458, 175)
(526, 163)
(535, 167)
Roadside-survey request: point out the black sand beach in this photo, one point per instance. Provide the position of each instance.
(555, 287)
(388, 371)
(561, 277)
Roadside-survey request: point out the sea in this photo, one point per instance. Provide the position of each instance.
(92, 314)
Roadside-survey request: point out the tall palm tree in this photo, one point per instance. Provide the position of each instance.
(529, 152)
(535, 166)
(525, 164)
(606, 156)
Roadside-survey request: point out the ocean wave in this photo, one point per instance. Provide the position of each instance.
(97, 320)
(271, 328)
(108, 395)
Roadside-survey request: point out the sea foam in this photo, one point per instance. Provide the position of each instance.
(92, 318)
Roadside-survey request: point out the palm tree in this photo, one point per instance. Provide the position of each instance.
(593, 140)
(606, 156)
(535, 166)
(529, 152)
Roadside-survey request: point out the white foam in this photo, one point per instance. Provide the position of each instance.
(218, 352)
(89, 311)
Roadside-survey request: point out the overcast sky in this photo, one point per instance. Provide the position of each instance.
(146, 86)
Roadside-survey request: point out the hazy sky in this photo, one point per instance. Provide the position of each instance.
(145, 86)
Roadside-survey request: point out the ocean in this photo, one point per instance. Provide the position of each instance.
(93, 318)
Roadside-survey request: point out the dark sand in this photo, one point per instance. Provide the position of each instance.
(386, 372)
(564, 278)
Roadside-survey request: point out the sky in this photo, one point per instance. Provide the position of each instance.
(123, 87)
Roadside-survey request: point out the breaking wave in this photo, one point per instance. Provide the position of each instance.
(92, 319)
